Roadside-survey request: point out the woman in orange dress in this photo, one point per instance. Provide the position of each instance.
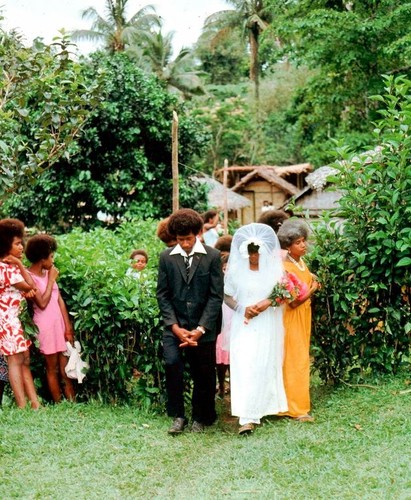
(293, 235)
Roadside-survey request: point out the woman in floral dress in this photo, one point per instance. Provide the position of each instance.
(15, 282)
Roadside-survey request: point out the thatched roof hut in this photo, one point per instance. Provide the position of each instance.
(319, 194)
(294, 174)
(216, 194)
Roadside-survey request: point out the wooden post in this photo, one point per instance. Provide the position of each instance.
(174, 162)
(225, 205)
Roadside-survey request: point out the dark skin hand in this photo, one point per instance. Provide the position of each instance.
(27, 286)
(188, 338)
(256, 309)
(315, 285)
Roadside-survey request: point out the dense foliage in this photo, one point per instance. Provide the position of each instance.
(43, 105)
(122, 164)
(363, 316)
(348, 45)
(321, 63)
(115, 317)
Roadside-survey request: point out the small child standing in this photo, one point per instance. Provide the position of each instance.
(50, 314)
(223, 342)
(139, 260)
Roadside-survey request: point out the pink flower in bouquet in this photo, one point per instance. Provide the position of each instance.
(298, 288)
(288, 288)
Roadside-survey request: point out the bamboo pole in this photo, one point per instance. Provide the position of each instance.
(225, 205)
(174, 162)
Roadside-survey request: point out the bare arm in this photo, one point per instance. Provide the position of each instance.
(42, 299)
(28, 284)
(315, 285)
(69, 332)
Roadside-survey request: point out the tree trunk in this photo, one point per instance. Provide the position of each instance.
(225, 203)
(254, 63)
(174, 162)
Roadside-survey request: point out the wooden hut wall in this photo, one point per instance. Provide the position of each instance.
(258, 192)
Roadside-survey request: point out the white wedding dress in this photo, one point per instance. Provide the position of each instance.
(256, 351)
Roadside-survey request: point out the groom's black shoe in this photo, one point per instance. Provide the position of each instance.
(177, 427)
(197, 427)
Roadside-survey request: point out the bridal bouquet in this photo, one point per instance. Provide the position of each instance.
(288, 288)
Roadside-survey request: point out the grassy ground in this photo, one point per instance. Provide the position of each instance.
(358, 447)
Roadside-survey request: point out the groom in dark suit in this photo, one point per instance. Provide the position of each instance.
(190, 295)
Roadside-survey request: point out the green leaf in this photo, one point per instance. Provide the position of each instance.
(405, 261)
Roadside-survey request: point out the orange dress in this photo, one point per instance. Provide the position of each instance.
(296, 367)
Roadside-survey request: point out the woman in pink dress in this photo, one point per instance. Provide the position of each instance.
(50, 315)
(15, 283)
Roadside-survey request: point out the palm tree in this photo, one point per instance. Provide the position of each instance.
(179, 74)
(253, 18)
(115, 30)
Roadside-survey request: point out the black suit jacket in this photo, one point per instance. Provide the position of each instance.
(193, 301)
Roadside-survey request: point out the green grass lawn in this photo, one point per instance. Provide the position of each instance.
(358, 447)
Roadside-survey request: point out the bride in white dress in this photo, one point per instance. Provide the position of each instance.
(257, 332)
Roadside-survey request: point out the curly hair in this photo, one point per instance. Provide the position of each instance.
(210, 214)
(139, 252)
(253, 248)
(9, 229)
(273, 218)
(164, 234)
(40, 247)
(185, 221)
(224, 243)
(292, 230)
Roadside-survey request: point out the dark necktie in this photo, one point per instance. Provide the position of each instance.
(187, 264)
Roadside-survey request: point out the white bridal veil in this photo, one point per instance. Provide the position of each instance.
(270, 266)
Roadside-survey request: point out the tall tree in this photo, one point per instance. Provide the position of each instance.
(122, 164)
(179, 74)
(223, 60)
(114, 30)
(253, 17)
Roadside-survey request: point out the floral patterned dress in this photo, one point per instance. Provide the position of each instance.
(12, 339)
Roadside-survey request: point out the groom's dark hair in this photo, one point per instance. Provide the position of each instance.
(184, 222)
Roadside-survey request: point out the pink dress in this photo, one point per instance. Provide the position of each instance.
(223, 340)
(49, 320)
(12, 339)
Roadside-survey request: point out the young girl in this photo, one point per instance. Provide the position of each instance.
(15, 281)
(223, 342)
(50, 314)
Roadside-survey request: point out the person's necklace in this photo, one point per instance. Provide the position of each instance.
(300, 265)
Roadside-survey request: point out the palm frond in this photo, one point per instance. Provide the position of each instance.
(146, 16)
(87, 35)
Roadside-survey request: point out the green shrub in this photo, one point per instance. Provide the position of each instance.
(362, 317)
(115, 317)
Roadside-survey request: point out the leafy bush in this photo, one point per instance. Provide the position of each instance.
(115, 317)
(121, 162)
(44, 97)
(363, 317)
